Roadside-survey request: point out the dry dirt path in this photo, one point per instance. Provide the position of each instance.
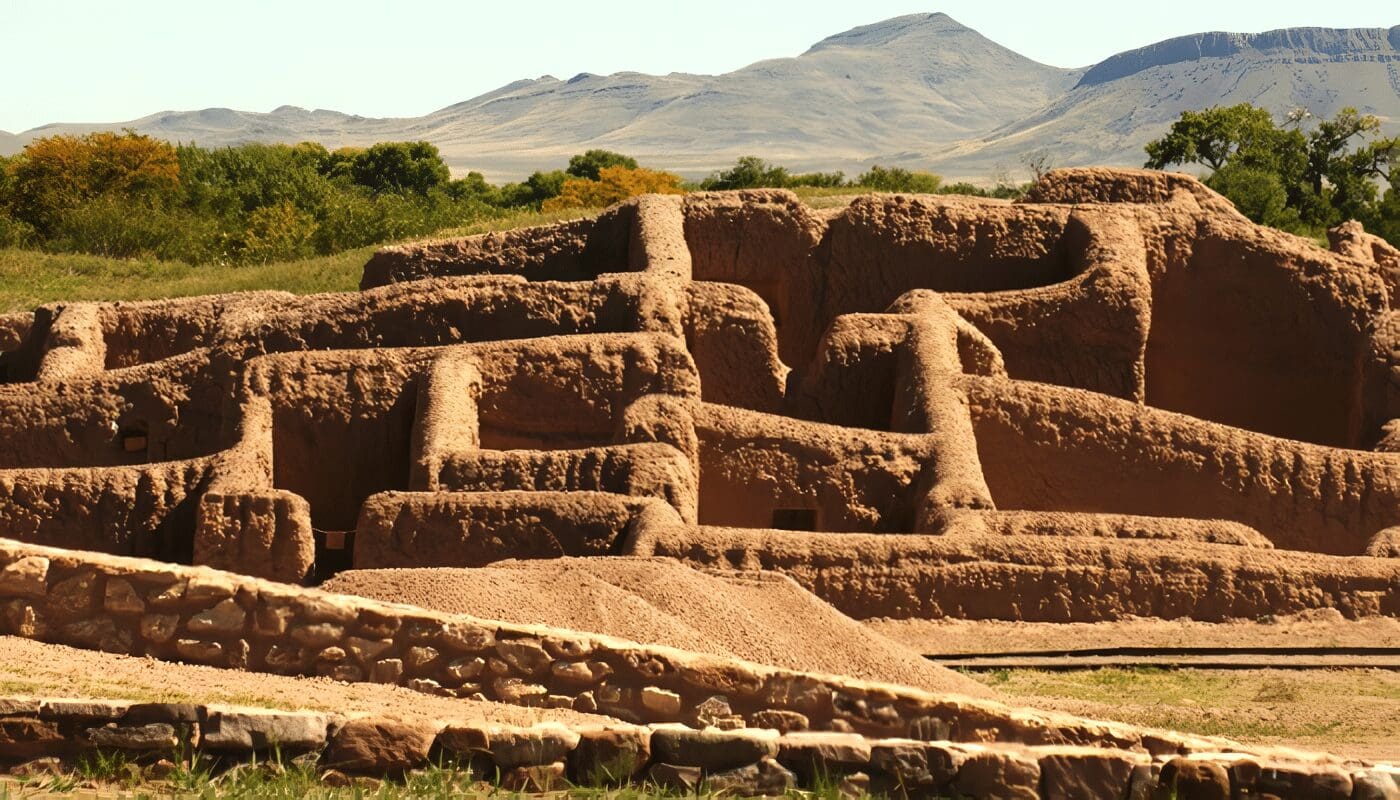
(45, 670)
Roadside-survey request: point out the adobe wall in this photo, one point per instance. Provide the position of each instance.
(903, 365)
(751, 465)
(633, 470)
(146, 510)
(580, 250)
(473, 529)
(1352, 240)
(163, 412)
(732, 338)
(765, 241)
(145, 332)
(1089, 331)
(1381, 379)
(20, 345)
(1263, 331)
(1082, 577)
(1052, 449)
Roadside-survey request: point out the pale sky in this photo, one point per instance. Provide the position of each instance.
(105, 61)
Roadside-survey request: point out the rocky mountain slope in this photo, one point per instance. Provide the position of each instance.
(920, 90)
(1127, 100)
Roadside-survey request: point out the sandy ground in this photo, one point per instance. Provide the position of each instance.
(768, 619)
(1314, 629)
(1347, 712)
(45, 670)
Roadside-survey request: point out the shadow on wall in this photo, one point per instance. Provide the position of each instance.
(1262, 338)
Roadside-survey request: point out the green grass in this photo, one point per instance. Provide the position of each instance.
(30, 278)
(114, 775)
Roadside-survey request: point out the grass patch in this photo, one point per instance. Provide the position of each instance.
(30, 278)
(1321, 707)
(104, 775)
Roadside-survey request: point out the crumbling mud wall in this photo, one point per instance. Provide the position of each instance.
(1089, 568)
(1119, 367)
(1116, 398)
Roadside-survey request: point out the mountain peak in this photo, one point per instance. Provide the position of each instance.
(1302, 44)
(883, 33)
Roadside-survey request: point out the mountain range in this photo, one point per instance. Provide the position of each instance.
(919, 91)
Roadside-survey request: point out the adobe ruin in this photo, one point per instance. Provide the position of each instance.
(1116, 397)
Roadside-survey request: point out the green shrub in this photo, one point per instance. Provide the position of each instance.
(749, 172)
(898, 179)
(819, 180)
(277, 233)
(119, 227)
(588, 165)
(13, 232)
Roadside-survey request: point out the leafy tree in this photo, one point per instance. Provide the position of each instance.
(588, 165)
(1258, 194)
(534, 191)
(1214, 136)
(749, 172)
(1335, 169)
(1329, 140)
(614, 185)
(56, 173)
(232, 181)
(399, 167)
(120, 227)
(472, 187)
(898, 179)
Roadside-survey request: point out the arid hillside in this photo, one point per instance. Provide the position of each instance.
(920, 90)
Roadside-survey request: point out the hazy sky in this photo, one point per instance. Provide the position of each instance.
(104, 61)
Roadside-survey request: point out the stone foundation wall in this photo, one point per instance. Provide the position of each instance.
(199, 615)
(38, 735)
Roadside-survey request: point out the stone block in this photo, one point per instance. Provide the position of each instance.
(1187, 779)
(152, 736)
(998, 775)
(710, 749)
(524, 656)
(676, 777)
(79, 710)
(142, 713)
(25, 577)
(225, 617)
(245, 730)
(779, 720)
(28, 737)
(1086, 773)
(660, 703)
(609, 756)
(821, 754)
(380, 744)
(509, 747)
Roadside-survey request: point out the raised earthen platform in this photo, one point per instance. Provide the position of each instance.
(1114, 401)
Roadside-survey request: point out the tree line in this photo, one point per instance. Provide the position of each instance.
(1301, 174)
(126, 195)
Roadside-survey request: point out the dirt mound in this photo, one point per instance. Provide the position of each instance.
(761, 617)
